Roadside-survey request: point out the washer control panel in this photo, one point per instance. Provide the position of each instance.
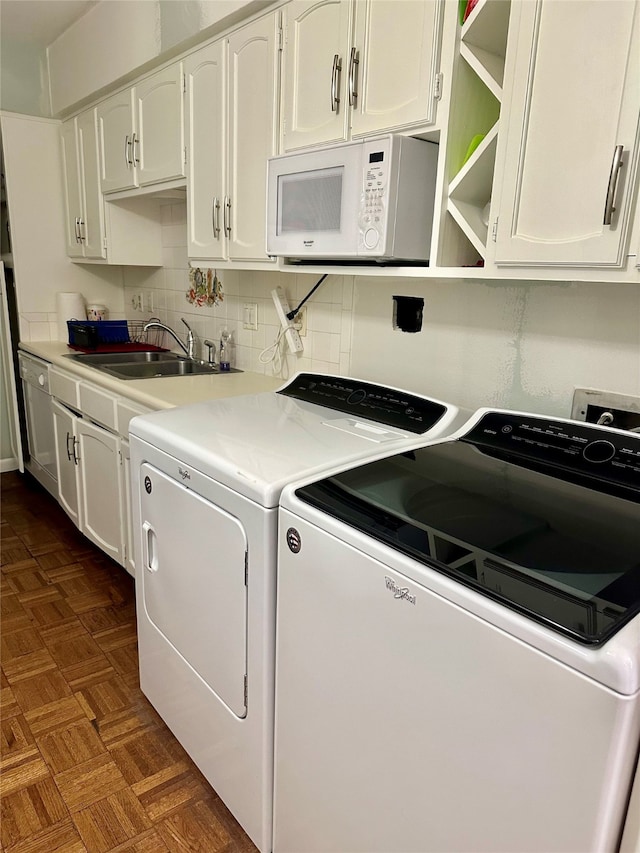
(587, 449)
(377, 403)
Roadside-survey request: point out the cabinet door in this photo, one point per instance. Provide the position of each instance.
(71, 177)
(397, 47)
(158, 148)
(253, 77)
(92, 228)
(67, 460)
(317, 38)
(205, 131)
(115, 132)
(100, 488)
(573, 98)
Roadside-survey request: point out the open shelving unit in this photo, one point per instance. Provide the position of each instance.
(475, 112)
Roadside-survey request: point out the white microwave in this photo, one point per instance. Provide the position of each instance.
(369, 200)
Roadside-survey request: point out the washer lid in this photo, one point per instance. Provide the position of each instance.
(521, 509)
(258, 443)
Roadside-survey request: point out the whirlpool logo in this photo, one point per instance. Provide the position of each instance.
(399, 591)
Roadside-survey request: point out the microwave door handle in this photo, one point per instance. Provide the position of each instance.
(354, 61)
(335, 83)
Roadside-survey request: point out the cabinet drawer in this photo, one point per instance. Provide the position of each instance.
(98, 405)
(127, 410)
(64, 387)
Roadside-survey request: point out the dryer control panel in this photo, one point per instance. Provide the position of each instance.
(378, 403)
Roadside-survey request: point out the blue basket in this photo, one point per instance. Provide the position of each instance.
(85, 333)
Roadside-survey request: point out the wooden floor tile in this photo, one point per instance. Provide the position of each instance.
(87, 764)
(112, 821)
(29, 810)
(195, 829)
(62, 837)
(85, 784)
(69, 746)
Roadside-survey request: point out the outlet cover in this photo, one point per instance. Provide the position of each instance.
(250, 316)
(300, 322)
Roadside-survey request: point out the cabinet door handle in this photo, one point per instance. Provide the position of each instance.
(616, 165)
(215, 216)
(227, 216)
(68, 451)
(76, 458)
(136, 149)
(127, 151)
(81, 233)
(354, 61)
(77, 229)
(335, 83)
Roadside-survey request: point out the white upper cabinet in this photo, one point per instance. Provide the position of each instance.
(359, 67)
(568, 153)
(252, 134)
(141, 133)
(205, 132)
(83, 199)
(231, 119)
(396, 46)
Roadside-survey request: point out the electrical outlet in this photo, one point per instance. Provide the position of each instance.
(147, 301)
(300, 322)
(136, 301)
(250, 316)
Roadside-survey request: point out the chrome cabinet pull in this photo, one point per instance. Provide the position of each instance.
(76, 458)
(77, 229)
(335, 83)
(136, 142)
(616, 165)
(127, 151)
(81, 233)
(227, 216)
(215, 216)
(354, 61)
(68, 451)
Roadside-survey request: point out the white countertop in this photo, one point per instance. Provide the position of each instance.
(160, 393)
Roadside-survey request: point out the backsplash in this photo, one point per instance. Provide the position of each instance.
(164, 294)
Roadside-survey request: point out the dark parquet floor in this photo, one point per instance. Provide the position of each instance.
(87, 763)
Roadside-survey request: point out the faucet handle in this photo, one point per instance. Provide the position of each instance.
(212, 351)
(186, 324)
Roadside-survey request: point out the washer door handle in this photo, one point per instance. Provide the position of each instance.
(150, 541)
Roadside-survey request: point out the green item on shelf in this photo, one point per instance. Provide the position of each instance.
(462, 5)
(477, 139)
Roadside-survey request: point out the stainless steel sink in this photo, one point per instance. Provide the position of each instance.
(147, 365)
(95, 359)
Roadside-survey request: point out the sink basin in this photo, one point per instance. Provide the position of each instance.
(95, 359)
(146, 365)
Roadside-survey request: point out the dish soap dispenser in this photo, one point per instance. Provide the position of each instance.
(224, 353)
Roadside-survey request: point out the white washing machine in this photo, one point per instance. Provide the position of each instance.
(206, 481)
(458, 645)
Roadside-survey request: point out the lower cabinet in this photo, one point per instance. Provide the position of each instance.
(92, 455)
(91, 480)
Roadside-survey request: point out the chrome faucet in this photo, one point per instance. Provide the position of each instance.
(188, 349)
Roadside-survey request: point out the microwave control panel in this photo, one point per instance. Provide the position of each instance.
(375, 171)
(397, 200)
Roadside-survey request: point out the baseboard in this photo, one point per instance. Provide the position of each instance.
(10, 464)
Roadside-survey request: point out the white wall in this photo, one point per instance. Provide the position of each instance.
(24, 79)
(522, 345)
(141, 32)
(165, 295)
(35, 198)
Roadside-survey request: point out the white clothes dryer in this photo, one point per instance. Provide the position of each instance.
(206, 482)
